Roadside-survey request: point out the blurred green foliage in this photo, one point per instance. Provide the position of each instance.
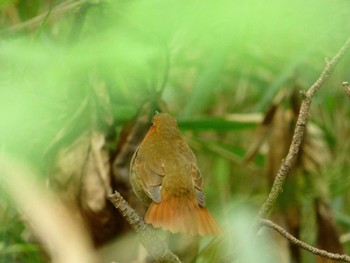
(14, 245)
(92, 64)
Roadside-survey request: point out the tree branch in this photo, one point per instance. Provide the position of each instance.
(288, 162)
(301, 244)
(155, 247)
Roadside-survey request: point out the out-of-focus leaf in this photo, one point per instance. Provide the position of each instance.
(204, 86)
(185, 247)
(327, 233)
(291, 68)
(123, 113)
(81, 177)
(313, 154)
(315, 151)
(264, 128)
(214, 251)
(229, 123)
(280, 128)
(222, 174)
(18, 249)
(343, 219)
(50, 222)
(288, 212)
(96, 182)
(232, 153)
(237, 240)
(281, 132)
(345, 238)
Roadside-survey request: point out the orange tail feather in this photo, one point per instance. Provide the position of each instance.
(181, 214)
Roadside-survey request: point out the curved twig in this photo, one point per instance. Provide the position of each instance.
(294, 148)
(155, 247)
(301, 244)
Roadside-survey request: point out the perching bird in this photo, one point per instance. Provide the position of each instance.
(164, 174)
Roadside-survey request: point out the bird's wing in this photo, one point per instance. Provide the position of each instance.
(198, 184)
(195, 173)
(151, 174)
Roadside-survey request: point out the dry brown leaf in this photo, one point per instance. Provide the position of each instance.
(280, 137)
(103, 107)
(315, 152)
(95, 181)
(263, 130)
(288, 212)
(81, 177)
(327, 234)
(279, 124)
(65, 175)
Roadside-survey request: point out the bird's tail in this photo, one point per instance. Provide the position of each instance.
(182, 214)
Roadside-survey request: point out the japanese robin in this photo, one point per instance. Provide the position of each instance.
(164, 174)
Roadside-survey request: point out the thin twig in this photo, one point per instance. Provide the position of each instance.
(301, 244)
(288, 162)
(155, 247)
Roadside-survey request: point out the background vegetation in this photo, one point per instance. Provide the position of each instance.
(75, 74)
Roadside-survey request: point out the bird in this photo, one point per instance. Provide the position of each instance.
(164, 175)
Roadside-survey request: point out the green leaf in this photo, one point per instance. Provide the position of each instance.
(215, 123)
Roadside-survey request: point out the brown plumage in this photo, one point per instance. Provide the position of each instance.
(164, 175)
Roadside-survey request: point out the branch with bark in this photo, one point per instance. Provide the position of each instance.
(289, 161)
(294, 148)
(155, 247)
(159, 250)
(301, 244)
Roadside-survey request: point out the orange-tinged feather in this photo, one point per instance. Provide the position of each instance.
(164, 171)
(181, 214)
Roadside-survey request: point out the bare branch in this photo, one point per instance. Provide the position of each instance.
(288, 162)
(155, 247)
(301, 244)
